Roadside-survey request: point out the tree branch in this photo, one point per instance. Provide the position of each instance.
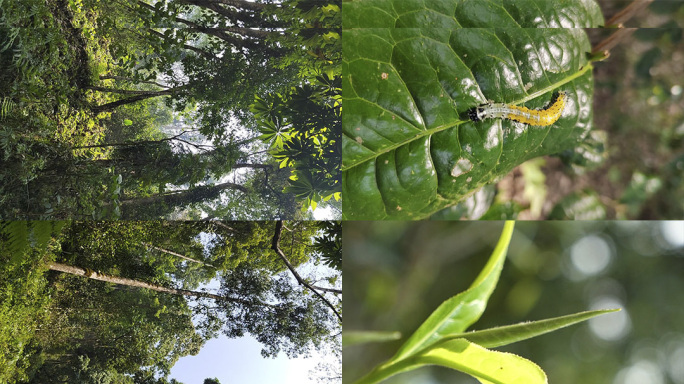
(176, 254)
(275, 245)
(200, 147)
(125, 78)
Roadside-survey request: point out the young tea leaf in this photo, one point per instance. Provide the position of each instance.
(489, 367)
(459, 312)
(496, 337)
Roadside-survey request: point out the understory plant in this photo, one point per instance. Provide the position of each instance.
(442, 338)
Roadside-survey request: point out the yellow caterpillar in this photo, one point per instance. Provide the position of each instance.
(538, 117)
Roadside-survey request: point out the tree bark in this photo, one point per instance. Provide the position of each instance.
(89, 273)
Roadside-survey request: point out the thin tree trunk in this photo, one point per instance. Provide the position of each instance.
(169, 197)
(200, 51)
(125, 91)
(132, 80)
(275, 245)
(115, 104)
(89, 273)
(176, 254)
(243, 165)
(146, 142)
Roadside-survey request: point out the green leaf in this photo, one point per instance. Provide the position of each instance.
(456, 314)
(128, 122)
(350, 338)
(496, 337)
(489, 367)
(454, 14)
(407, 93)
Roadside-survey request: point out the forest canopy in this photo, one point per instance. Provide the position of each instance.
(145, 109)
(121, 302)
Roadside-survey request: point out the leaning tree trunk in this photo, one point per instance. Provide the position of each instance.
(89, 273)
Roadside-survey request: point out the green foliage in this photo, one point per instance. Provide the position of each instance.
(329, 243)
(45, 68)
(301, 128)
(82, 79)
(24, 298)
(314, 33)
(84, 330)
(6, 106)
(471, 14)
(21, 236)
(422, 143)
(441, 340)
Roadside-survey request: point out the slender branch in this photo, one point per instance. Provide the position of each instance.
(275, 245)
(176, 254)
(189, 47)
(201, 147)
(223, 225)
(633, 9)
(611, 41)
(332, 290)
(245, 165)
(126, 91)
(125, 78)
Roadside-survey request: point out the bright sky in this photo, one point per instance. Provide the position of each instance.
(240, 361)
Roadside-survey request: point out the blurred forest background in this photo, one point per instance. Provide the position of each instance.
(171, 286)
(632, 165)
(397, 273)
(144, 109)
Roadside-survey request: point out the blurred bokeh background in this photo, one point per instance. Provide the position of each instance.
(397, 273)
(632, 164)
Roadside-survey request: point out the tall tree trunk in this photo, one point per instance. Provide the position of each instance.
(89, 273)
(146, 95)
(183, 197)
(115, 104)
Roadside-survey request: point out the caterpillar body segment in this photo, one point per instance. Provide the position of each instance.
(536, 117)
